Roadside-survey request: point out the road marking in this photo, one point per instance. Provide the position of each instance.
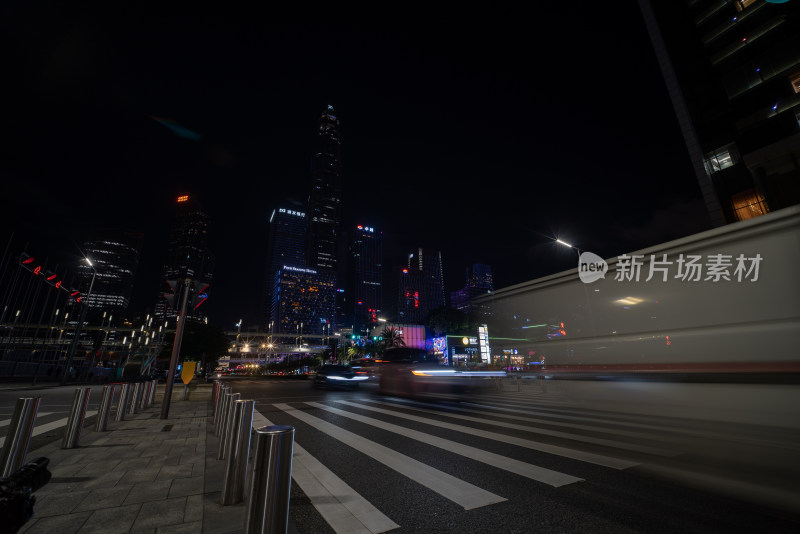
(540, 474)
(460, 492)
(599, 459)
(49, 426)
(6, 422)
(554, 433)
(344, 509)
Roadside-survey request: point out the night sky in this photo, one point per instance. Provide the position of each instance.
(485, 135)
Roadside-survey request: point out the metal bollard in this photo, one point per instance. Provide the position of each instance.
(72, 434)
(516, 379)
(19, 435)
(145, 395)
(134, 406)
(153, 392)
(268, 500)
(105, 409)
(216, 396)
(221, 405)
(237, 452)
(123, 401)
(225, 424)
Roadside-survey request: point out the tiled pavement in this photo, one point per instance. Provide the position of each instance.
(142, 475)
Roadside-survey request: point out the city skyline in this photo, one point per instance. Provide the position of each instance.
(465, 148)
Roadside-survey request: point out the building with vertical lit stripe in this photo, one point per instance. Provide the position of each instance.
(188, 255)
(732, 69)
(421, 286)
(366, 253)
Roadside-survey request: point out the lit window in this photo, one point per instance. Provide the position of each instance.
(795, 81)
(743, 4)
(721, 158)
(749, 204)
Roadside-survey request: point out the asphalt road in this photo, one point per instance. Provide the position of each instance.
(535, 460)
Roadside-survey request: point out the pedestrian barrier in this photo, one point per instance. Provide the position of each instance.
(220, 405)
(145, 395)
(19, 435)
(237, 452)
(224, 429)
(152, 399)
(270, 483)
(134, 405)
(105, 409)
(72, 434)
(215, 397)
(123, 401)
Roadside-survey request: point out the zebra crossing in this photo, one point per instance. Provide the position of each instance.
(626, 441)
(45, 422)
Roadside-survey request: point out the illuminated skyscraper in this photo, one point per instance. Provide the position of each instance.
(421, 286)
(479, 282)
(366, 254)
(115, 256)
(287, 246)
(732, 70)
(187, 255)
(324, 202)
(303, 301)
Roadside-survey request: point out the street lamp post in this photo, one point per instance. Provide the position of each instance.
(70, 354)
(585, 290)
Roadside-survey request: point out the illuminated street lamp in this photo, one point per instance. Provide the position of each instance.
(70, 354)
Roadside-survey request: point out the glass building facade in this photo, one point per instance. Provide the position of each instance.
(304, 301)
(187, 255)
(366, 253)
(286, 246)
(115, 256)
(324, 202)
(732, 70)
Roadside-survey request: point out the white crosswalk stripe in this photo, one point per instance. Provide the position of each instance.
(47, 427)
(554, 433)
(339, 505)
(460, 492)
(599, 459)
(540, 474)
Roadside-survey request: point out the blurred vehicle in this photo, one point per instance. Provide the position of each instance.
(365, 367)
(415, 372)
(341, 376)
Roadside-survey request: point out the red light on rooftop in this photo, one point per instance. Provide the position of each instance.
(183, 198)
(360, 227)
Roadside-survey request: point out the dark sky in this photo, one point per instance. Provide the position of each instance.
(485, 135)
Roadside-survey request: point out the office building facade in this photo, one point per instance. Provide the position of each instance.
(188, 255)
(732, 70)
(324, 201)
(304, 302)
(286, 246)
(366, 256)
(421, 286)
(115, 256)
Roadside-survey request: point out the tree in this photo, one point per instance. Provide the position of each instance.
(448, 321)
(391, 337)
(202, 342)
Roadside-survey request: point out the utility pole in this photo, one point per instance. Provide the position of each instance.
(176, 347)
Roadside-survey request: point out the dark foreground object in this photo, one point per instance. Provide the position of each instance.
(16, 499)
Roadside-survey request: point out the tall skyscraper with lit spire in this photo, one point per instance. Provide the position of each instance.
(324, 201)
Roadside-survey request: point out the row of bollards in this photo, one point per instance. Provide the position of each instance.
(271, 473)
(139, 396)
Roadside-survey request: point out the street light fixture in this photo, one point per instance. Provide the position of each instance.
(71, 353)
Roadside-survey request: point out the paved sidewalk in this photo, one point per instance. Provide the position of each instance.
(142, 475)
